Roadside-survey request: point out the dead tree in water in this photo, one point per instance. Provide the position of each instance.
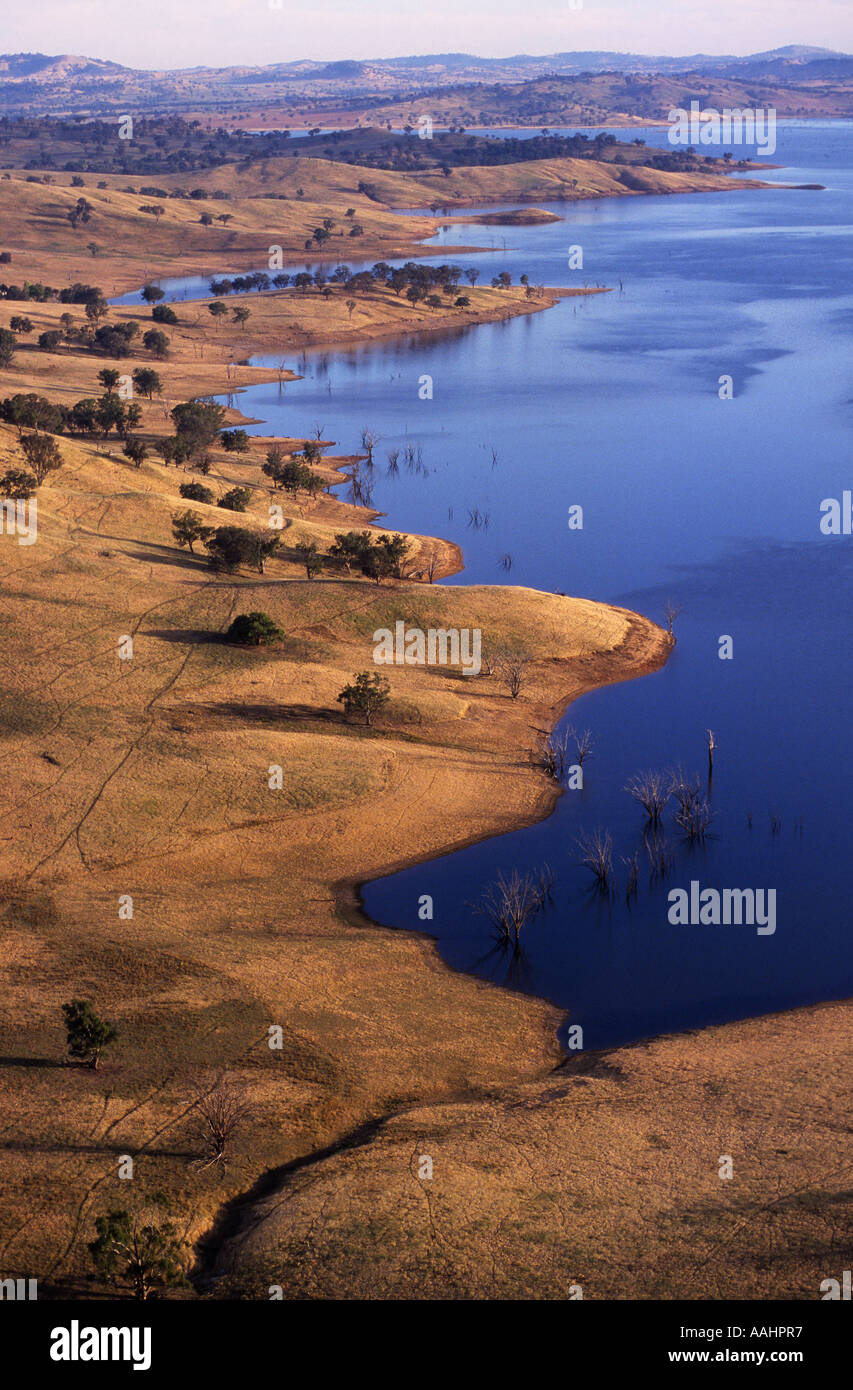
(597, 856)
(652, 791)
(671, 611)
(510, 903)
(709, 738)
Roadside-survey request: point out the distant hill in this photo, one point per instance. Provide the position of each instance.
(39, 83)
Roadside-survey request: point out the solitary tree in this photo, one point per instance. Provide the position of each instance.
(88, 1035)
(139, 1249)
(367, 695)
(254, 630)
(221, 1111)
(189, 527)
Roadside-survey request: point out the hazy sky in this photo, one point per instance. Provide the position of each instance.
(185, 33)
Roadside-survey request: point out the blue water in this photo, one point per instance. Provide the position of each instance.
(611, 402)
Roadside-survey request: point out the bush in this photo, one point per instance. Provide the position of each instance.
(236, 499)
(196, 492)
(161, 313)
(254, 630)
(88, 1036)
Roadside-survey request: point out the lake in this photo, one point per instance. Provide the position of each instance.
(611, 403)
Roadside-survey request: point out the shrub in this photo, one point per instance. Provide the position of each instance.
(196, 492)
(236, 499)
(88, 1035)
(254, 630)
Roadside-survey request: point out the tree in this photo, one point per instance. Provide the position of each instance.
(221, 1111)
(472, 276)
(367, 696)
(20, 324)
(264, 544)
(161, 313)
(140, 1249)
(109, 378)
(254, 630)
(97, 308)
(217, 309)
(671, 611)
(49, 340)
(198, 423)
(136, 450)
(156, 342)
(230, 547)
(84, 416)
(88, 1035)
(147, 382)
(513, 668)
(188, 527)
(310, 557)
(17, 483)
(42, 454)
(8, 343)
(235, 441)
(152, 294)
(236, 499)
(196, 492)
(241, 314)
(110, 414)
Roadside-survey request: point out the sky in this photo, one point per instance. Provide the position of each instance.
(220, 33)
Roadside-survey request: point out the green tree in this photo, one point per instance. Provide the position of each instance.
(254, 630)
(136, 450)
(8, 343)
(141, 1250)
(152, 294)
(369, 693)
(156, 342)
(17, 483)
(236, 499)
(230, 547)
(188, 528)
(241, 315)
(147, 382)
(235, 441)
(42, 454)
(198, 423)
(310, 557)
(88, 1036)
(109, 378)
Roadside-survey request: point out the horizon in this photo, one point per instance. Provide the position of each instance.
(257, 33)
